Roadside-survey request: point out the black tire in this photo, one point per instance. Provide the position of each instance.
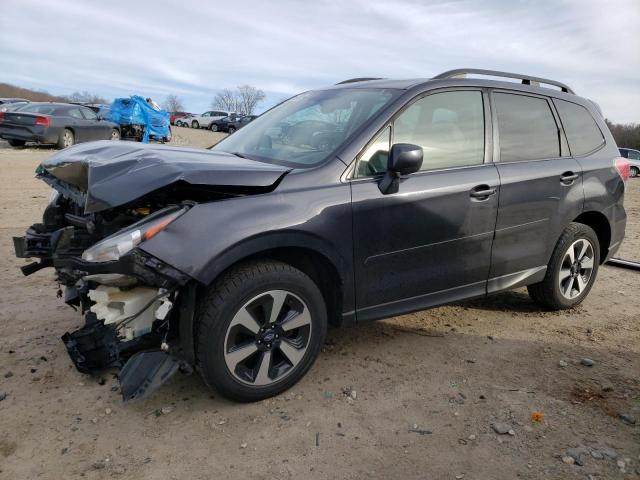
(16, 143)
(222, 303)
(231, 130)
(66, 139)
(213, 127)
(115, 134)
(547, 293)
(635, 171)
(195, 124)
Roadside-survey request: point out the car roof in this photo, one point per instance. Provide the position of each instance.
(461, 78)
(57, 104)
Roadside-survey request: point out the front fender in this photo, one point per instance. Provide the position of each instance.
(212, 236)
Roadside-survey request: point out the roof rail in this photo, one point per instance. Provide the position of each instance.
(361, 79)
(526, 79)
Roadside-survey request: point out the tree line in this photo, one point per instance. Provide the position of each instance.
(626, 135)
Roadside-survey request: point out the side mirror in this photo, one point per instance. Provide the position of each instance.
(404, 158)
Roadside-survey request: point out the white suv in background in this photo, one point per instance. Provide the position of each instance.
(201, 121)
(634, 159)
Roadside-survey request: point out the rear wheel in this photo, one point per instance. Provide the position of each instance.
(231, 130)
(195, 124)
(115, 134)
(66, 139)
(260, 328)
(571, 271)
(213, 127)
(16, 143)
(635, 171)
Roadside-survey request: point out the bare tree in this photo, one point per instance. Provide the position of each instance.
(226, 100)
(249, 97)
(243, 100)
(173, 103)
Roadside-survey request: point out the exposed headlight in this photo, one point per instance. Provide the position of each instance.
(113, 247)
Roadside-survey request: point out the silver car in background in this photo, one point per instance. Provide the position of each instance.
(634, 159)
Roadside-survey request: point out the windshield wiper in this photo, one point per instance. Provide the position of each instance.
(238, 154)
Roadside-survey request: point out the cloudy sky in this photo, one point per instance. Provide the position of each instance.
(195, 48)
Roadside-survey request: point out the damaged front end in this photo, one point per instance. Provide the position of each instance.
(109, 198)
(130, 300)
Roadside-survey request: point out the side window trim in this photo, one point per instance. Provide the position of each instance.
(350, 172)
(496, 128)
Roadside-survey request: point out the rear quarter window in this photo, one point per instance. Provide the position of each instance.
(581, 129)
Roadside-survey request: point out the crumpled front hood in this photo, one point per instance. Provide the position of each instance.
(115, 173)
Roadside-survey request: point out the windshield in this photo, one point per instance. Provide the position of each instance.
(306, 129)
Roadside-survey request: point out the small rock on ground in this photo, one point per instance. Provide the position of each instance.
(628, 418)
(587, 362)
(500, 428)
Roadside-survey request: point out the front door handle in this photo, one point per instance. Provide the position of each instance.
(567, 178)
(482, 192)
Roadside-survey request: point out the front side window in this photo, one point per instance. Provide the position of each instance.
(307, 129)
(75, 113)
(375, 157)
(634, 155)
(449, 127)
(581, 129)
(89, 114)
(527, 129)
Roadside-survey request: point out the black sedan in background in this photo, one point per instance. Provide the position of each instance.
(231, 124)
(59, 124)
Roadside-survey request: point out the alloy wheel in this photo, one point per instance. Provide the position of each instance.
(267, 338)
(67, 139)
(115, 135)
(576, 268)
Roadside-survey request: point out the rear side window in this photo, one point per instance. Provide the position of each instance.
(527, 128)
(581, 129)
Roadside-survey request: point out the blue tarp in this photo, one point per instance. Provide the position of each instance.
(136, 111)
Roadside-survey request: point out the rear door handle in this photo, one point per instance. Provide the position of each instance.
(568, 178)
(483, 192)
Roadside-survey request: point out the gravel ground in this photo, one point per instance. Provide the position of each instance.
(419, 396)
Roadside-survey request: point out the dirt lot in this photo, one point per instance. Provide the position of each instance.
(422, 390)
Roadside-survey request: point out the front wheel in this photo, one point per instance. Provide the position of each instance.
(635, 171)
(195, 124)
(571, 271)
(259, 329)
(115, 134)
(231, 130)
(213, 127)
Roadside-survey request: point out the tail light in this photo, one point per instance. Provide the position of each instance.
(1, 117)
(624, 168)
(42, 121)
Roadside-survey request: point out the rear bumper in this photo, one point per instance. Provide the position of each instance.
(38, 134)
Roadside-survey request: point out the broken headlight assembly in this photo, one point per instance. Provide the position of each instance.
(116, 245)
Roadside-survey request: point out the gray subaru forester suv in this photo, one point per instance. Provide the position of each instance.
(361, 201)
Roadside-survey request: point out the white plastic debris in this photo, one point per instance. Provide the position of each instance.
(114, 305)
